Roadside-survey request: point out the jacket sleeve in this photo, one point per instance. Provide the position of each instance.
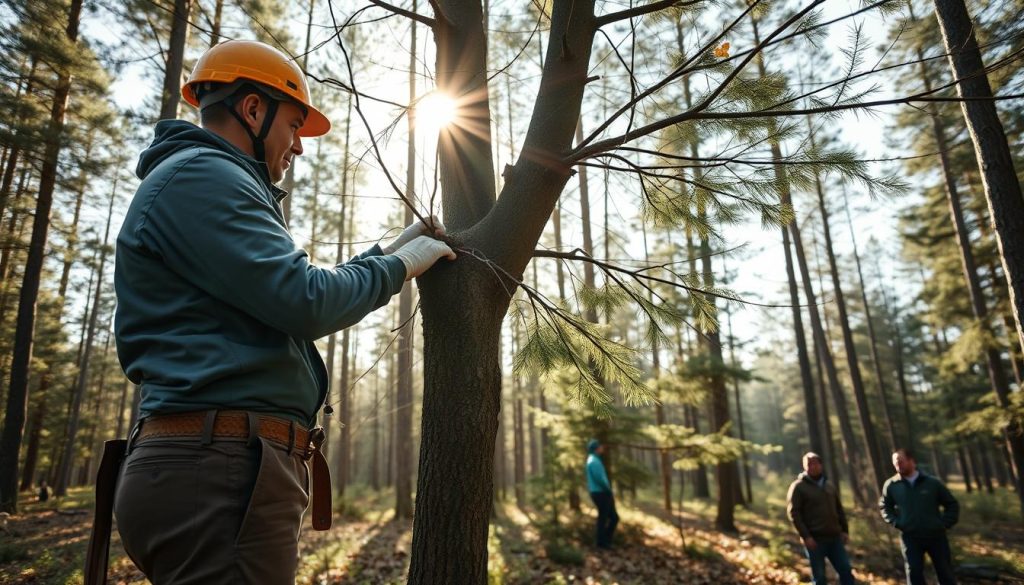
(794, 509)
(950, 507)
(888, 506)
(215, 226)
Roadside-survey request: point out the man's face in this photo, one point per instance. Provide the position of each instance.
(812, 465)
(904, 465)
(282, 143)
(599, 450)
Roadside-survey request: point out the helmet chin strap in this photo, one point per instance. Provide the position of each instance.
(258, 147)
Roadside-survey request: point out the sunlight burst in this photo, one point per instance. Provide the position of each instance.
(436, 110)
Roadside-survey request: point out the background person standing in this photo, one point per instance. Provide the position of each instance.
(601, 493)
(814, 508)
(910, 502)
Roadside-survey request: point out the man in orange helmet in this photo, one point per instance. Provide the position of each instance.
(216, 317)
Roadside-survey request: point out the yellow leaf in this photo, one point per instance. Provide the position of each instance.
(722, 51)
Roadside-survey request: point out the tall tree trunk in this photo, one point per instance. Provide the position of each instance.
(860, 396)
(701, 489)
(664, 460)
(288, 184)
(28, 470)
(464, 302)
(171, 96)
(965, 471)
(1002, 188)
(17, 397)
(831, 453)
(403, 415)
(807, 383)
(749, 498)
(725, 473)
(64, 475)
(12, 158)
(996, 373)
(876, 360)
(218, 11)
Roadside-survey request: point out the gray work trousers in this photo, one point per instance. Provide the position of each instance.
(224, 512)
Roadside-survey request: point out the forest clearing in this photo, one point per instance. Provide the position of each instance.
(374, 547)
(569, 291)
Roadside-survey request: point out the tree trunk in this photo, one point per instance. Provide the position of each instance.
(218, 11)
(17, 397)
(749, 497)
(831, 453)
(964, 469)
(876, 360)
(464, 301)
(28, 470)
(403, 414)
(63, 477)
(860, 396)
(725, 474)
(1002, 187)
(985, 130)
(12, 158)
(171, 96)
(851, 453)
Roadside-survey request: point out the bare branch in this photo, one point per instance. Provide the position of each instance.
(638, 274)
(406, 13)
(642, 10)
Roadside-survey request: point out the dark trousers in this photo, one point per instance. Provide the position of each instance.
(914, 549)
(607, 517)
(225, 512)
(833, 550)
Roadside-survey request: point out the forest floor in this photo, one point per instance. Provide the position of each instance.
(45, 543)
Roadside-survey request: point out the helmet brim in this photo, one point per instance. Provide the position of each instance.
(316, 124)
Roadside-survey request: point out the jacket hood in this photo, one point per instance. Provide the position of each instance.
(592, 445)
(173, 136)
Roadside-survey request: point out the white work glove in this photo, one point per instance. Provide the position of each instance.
(421, 253)
(415, 230)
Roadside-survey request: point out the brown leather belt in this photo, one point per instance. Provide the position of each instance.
(233, 424)
(204, 426)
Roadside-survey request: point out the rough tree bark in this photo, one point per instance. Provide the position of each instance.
(170, 98)
(1002, 188)
(464, 301)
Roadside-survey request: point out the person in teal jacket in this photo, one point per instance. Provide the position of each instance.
(217, 312)
(910, 502)
(601, 493)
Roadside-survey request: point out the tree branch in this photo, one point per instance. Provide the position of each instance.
(638, 274)
(406, 13)
(642, 10)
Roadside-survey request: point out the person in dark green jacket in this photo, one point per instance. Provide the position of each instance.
(217, 312)
(910, 502)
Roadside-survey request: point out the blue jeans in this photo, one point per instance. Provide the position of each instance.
(607, 517)
(937, 548)
(833, 550)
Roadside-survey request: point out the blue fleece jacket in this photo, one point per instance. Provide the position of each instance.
(216, 305)
(597, 477)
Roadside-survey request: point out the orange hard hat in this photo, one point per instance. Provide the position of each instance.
(232, 61)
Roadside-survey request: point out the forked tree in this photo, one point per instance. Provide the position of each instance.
(496, 233)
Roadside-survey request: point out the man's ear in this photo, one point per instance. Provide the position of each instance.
(251, 111)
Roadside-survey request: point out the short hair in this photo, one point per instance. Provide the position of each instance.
(217, 113)
(810, 455)
(907, 454)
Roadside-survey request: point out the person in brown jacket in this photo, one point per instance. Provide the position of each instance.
(817, 514)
